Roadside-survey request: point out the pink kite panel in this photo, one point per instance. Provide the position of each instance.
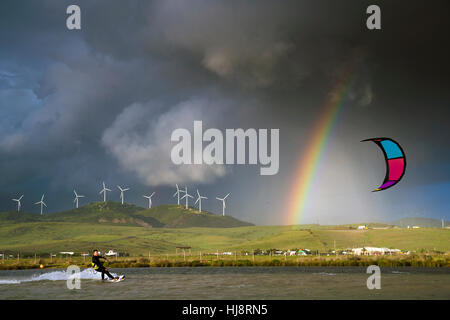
(396, 167)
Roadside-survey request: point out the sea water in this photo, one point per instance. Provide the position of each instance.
(230, 283)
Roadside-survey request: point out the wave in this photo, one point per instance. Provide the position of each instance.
(56, 276)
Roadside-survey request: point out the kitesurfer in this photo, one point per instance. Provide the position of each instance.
(99, 267)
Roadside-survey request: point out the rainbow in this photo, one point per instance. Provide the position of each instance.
(309, 162)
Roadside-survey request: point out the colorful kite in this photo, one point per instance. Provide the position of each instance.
(395, 161)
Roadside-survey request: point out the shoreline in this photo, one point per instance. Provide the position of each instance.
(425, 261)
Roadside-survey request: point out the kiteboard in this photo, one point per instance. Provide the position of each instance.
(121, 278)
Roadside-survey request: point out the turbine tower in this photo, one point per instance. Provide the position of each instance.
(177, 194)
(42, 203)
(187, 196)
(223, 203)
(121, 192)
(104, 191)
(149, 200)
(199, 200)
(18, 203)
(77, 196)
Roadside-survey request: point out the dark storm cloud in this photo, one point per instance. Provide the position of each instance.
(78, 107)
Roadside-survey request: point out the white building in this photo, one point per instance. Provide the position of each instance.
(111, 253)
(368, 251)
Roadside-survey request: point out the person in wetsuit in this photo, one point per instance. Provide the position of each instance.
(99, 267)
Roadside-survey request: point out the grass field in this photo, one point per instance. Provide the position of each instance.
(42, 238)
(237, 259)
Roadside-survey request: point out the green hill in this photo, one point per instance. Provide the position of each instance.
(421, 222)
(115, 213)
(174, 216)
(105, 213)
(14, 216)
(132, 229)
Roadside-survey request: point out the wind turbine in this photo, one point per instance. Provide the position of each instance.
(149, 199)
(199, 200)
(18, 203)
(42, 203)
(76, 198)
(187, 196)
(223, 203)
(104, 191)
(177, 194)
(121, 192)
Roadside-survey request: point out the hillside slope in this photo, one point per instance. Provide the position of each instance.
(115, 213)
(45, 237)
(16, 217)
(105, 213)
(174, 216)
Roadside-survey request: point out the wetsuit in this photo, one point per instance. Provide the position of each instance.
(98, 266)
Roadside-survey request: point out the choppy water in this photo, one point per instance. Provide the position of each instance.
(230, 283)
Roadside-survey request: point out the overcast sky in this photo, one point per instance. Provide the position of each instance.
(99, 104)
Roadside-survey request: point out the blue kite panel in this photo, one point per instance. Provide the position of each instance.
(392, 149)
